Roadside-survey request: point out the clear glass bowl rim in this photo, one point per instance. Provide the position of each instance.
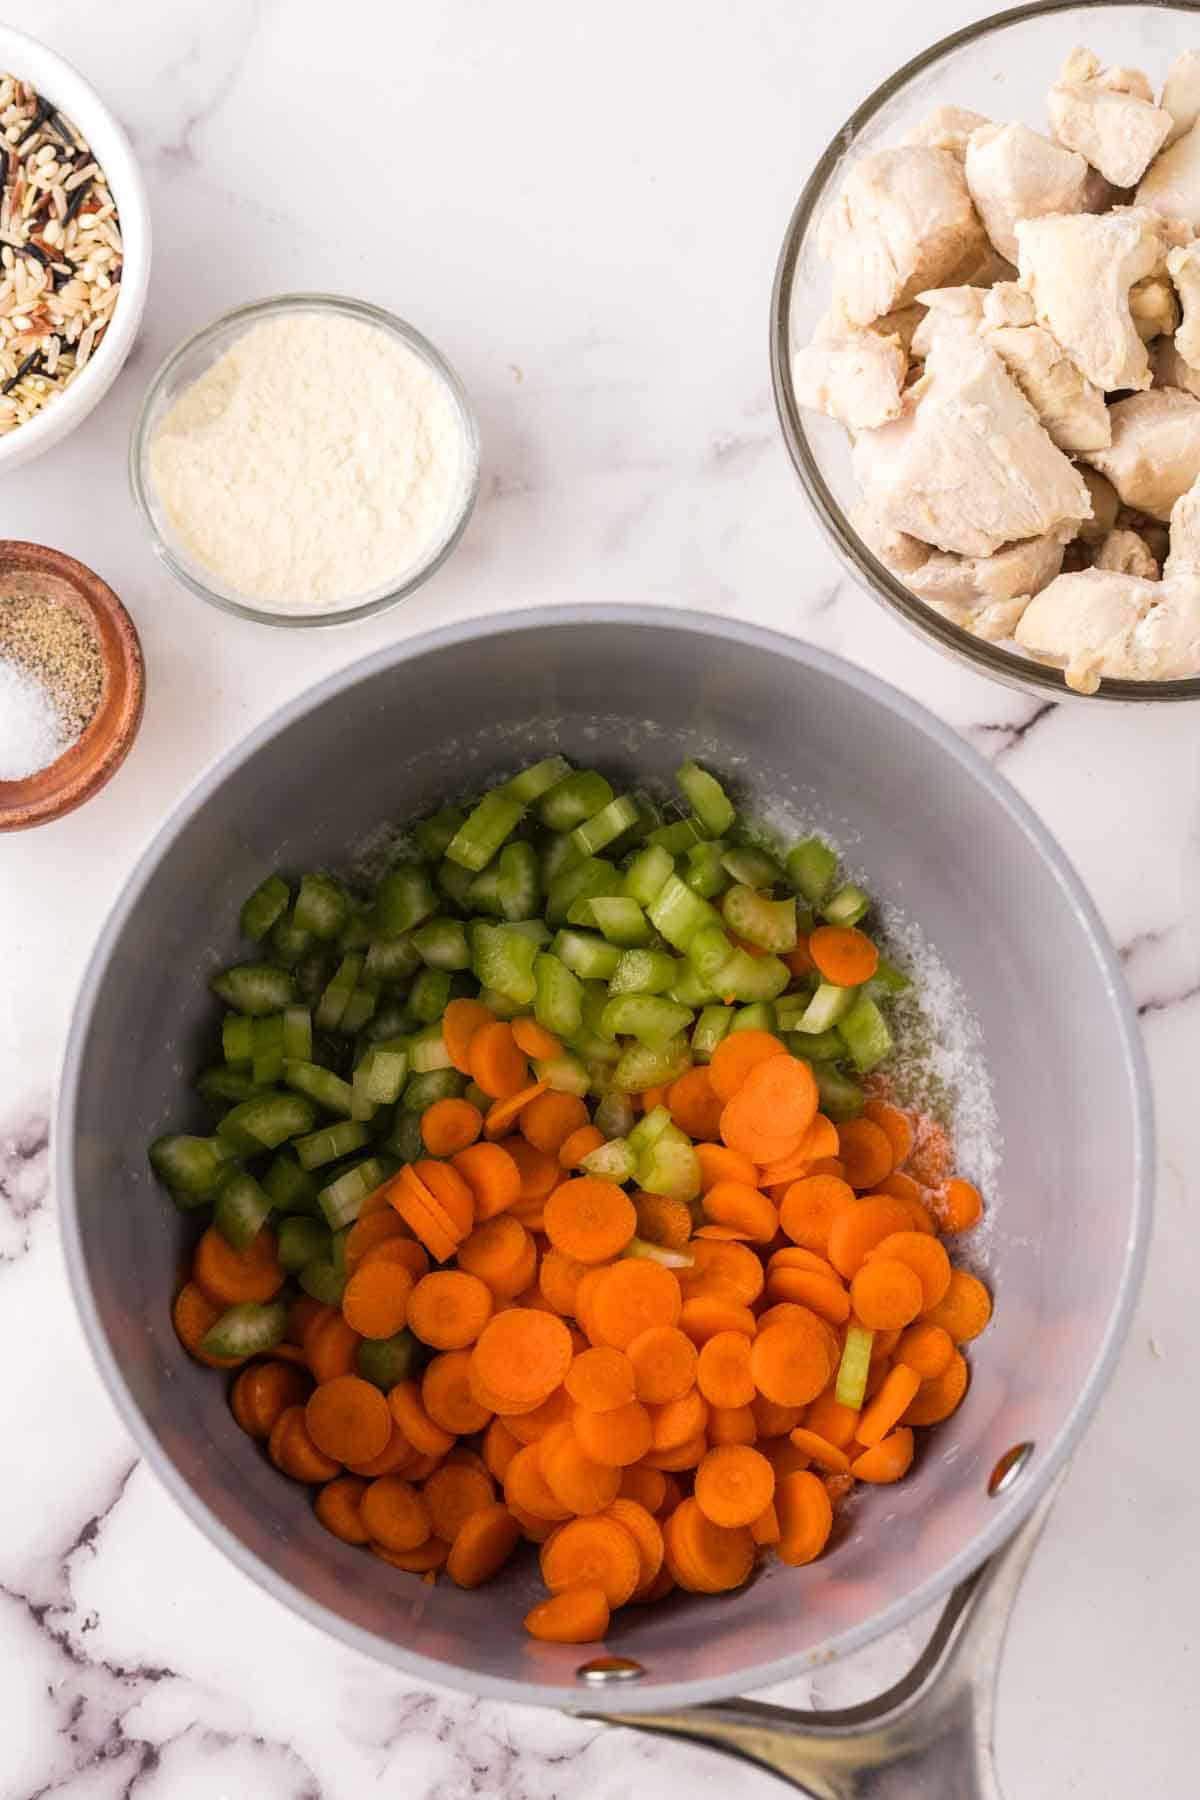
(270, 307)
(999, 664)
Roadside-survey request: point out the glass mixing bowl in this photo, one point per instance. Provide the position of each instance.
(1001, 66)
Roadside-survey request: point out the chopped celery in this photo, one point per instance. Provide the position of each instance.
(356, 932)
(618, 918)
(404, 898)
(816, 1046)
(851, 1389)
(190, 1165)
(536, 930)
(752, 867)
(649, 1128)
(705, 873)
(581, 881)
(484, 892)
(847, 906)
(247, 1329)
(503, 958)
(758, 1016)
(646, 874)
(574, 799)
(323, 1281)
(706, 797)
(647, 1017)
(605, 826)
(678, 837)
(254, 988)
(691, 989)
(557, 855)
(643, 972)
(518, 884)
(483, 831)
(811, 867)
(393, 960)
(227, 1087)
(322, 906)
(566, 1073)
(709, 952)
(828, 1007)
(429, 995)
(641, 1066)
(441, 944)
(841, 1098)
(385, 1361)
(669, 1167)
(360, 1008)
(297, 1034)
(679, 914)
(768, 924)
(669, 1259)
(317, 1148)
(380, 1077)
(289, 941)
(613, 1161)
(267, 1066)
(241, 1209)
(237, 1040)
(709, 1029)
(614, 1116)
(558, 997)
(390, 1020)
(336, 997)
(538, 779)
(342, 1199)
(455, 882)
(503, 1005)
(427, 1050)
(404, 1141)
(434, 833)
(595, 1003)
(291, 1188)
(888, 979)
(426, 1086)
(268, 903)
(867, 1037)
(267, 1121)
(750, 978)
(299, 1240)
(321, 1085)
(591, 958)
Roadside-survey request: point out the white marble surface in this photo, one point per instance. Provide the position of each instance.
(582, 206)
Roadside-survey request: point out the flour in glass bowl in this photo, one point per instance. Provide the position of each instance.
(319, 458)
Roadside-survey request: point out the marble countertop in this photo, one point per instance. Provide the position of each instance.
(583, 209)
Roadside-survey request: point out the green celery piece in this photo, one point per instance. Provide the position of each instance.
(677, 837)
(390, 1021)
(480, 836)
(429, 995)
(706, 874)
(841, 1098)
(323, 1281)
(768, 924)
(484, 892)
(828, 1007)
(247, 1329)
(567, 1074)
(503, 1005)
(854, 1367)
(360, 1008)
(750, 978)
(706, 797)
(649, 1128)
(668, 1259)
(405, 1140)
(336, 997)
(649, 1018)
(595, 1003)
(503, 958)
(299, 1240)
(518, 884)
(254, 988)
(422, 1089)
(558, 997)
(341, 1201)
(241, 1209)
(190, 1165)
(816, 1046)
(691, 989)
(289, 941)
(752, 867)
(646, 874)
(321, 1085)
(538, 779)
(613, 1161)
(614, 1116)
(847, 906)
(581, 881)
(618, 918)
(237, 1040)
(316, 1148)
(606, 826)
(267, 1122)
(384, 1072)
(758, 1016)
(297, 1034)
(867, 1037)
(678, 914)
(709, 1029)
(556, 854)
(322, 906)
(268, 903)
(710, 952)
(643, 972)
(356, 933)
(404, 897)
(671, 1168)
(434, 833)
(427, 1052)
(590, 957)
(641, 1066)
(386, 1361)
(228, 1087)
(811, 867)
(536, 930)
(887, 979)
(573, 800)
(455, 883)
(392, 960)
(441, 944)
(267, 1066)
(291, 1188)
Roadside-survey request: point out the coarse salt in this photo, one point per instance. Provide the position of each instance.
(31, 731)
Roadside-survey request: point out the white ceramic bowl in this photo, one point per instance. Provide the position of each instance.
(66, 87)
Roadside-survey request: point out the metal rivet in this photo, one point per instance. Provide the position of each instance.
(1009, 1467)
(603, 1671)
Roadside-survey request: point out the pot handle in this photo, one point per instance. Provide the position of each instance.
(929, 1735)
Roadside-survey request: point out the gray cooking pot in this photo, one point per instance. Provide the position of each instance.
(934, 829)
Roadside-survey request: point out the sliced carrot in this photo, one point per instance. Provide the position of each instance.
(450, 1191)
(559, 1277)
(809, 1208)
(894, 1125)
(376, 1299)
(230, 1276)
(331, 1347)
(617, 1437)
(538, 1044)
(652, 1097)
(889, 1405)
(886, 1294)
(779, 1097)
(483, 1545)
(523, 1355)
(827, 1418)
(887, 1461)
(855, 1230)
(843, 955)
(549, 1120)
(929, 1349)
(337, 1506)
(743, 1208)
(819, 1450)
(497, 1062)
(687, 1455)
(791, 1361)
(938, 1398)
(729, 1270)
(447, 1396)
(707, 1558)
(492, 1176)
(589, 1220)
(426, 1558)
(499, 1448)
(452, 1493)
(539, 1174)
(634, 1295)
(731, 1425)
(734, 1485)
(408, 1411)
(661, 1220)
(805, 1518)
(765, 1529)
(348, 1418)
(502, 1114)
(448, 1309)
(557, 1409)
(460, 1021)
(193, 1316)
(822, 1294)
(719, 1163)
(501, 1254)
(263, 1391)
(695, 1105)
(965, 1308)
(828, 1165)
(725, 1375)
(301, 1313)
(645, 1485)
(737, 1053)
(292, 1450)
(579, 1615)
(526, 1489)
(450, 1125)
(394, 1513)
(723, 1234)
(703, 1315)
(958, 1205)
(924, 1256)
(593, 1552)
(644, 1529)
(772, 1419)
(403, 1252)
(581, 1143)
(679, 1421)
(663, 1363)
(741, 1130)
(866, 1151)
(396, 1458)
(578, 1481)
(423, 1214)
(367, 1233)
(601, 1379)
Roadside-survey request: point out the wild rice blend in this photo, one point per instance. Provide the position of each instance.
(60, 253)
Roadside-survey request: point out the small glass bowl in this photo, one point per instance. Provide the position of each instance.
(189, 361)
(1001, 66)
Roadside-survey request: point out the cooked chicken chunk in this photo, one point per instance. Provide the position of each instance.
(1126, 553)
(982, 267)
(1109, 116)
(1014, 173)
(1069, 405)
(1154, 456)
(1079, 268)
(962, 586)
(1185, 534)
(1171, 184)
(1181, 94)
(1106, 503)
(1166, 645)
(857, 379)
(967, 466)
(947, 309)
(1007, 304)
(1083, 622)
(1153, 307)
(946, 128)
(1170, 370)
(902, 222)
(1183, 266)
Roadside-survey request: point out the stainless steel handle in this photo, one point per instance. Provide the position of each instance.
(930, 1737)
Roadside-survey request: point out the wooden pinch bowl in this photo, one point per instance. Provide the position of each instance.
(104, 743)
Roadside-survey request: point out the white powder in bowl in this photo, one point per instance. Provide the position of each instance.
(317, 459)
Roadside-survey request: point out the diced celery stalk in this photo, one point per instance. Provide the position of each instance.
(424, 1087)
(291, 1188)
(455, 882)
(670, 1168)
(317, 1148)
(227, 1087)
(647, 872)
(669, 1259)
(811, 867)
(691, 989)
(342, 1199)
(503, 1005)
(268, 902)
(867, 1037)
(323, 1281)
(582, 881)
(241, 1209)
(386, 1361)
(614, 1116)
(706, 797)
(392, 959)
(710, 952)
(336, 997)
(480, 836)
(538, 779)
(750, 978)
(705, 873)
(556, 855)
(816, 1046)
(429, 995)
(847, 906)
(267, 1121)
(404, 898)
(828, 1007)
(518, 881)
(758, 1016)
(246, 1329)
(644, 972)
(503, 959)
(576, 798)
(267, 1066)
(434, 833)
(613, 1161)
(585, 955)
(441, 944)
(640, 1066)
(841, 1098)
(483, 894)
(647, 1017)
(299, 1240)
(606, 826)
(297, 1034)
(390, 1020)
(404, 1140)
(679, 914)
(888, 979)
(427, 1051)
(192, 1165)
(254, 988)
(322, 906)
(558, 999)
(567, 1074)
(619, 919)
(289, 942)
(709, 1029)
(385, 1074)
(595, 1003)
(536, 930)
(237, 1040)
(677, 837)
(768, 924)
(752, 867)
(360, 1008)
(356, 932)
(649, 1128)
(854, 1367)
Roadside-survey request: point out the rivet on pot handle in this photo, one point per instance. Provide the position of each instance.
(929, 1735)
